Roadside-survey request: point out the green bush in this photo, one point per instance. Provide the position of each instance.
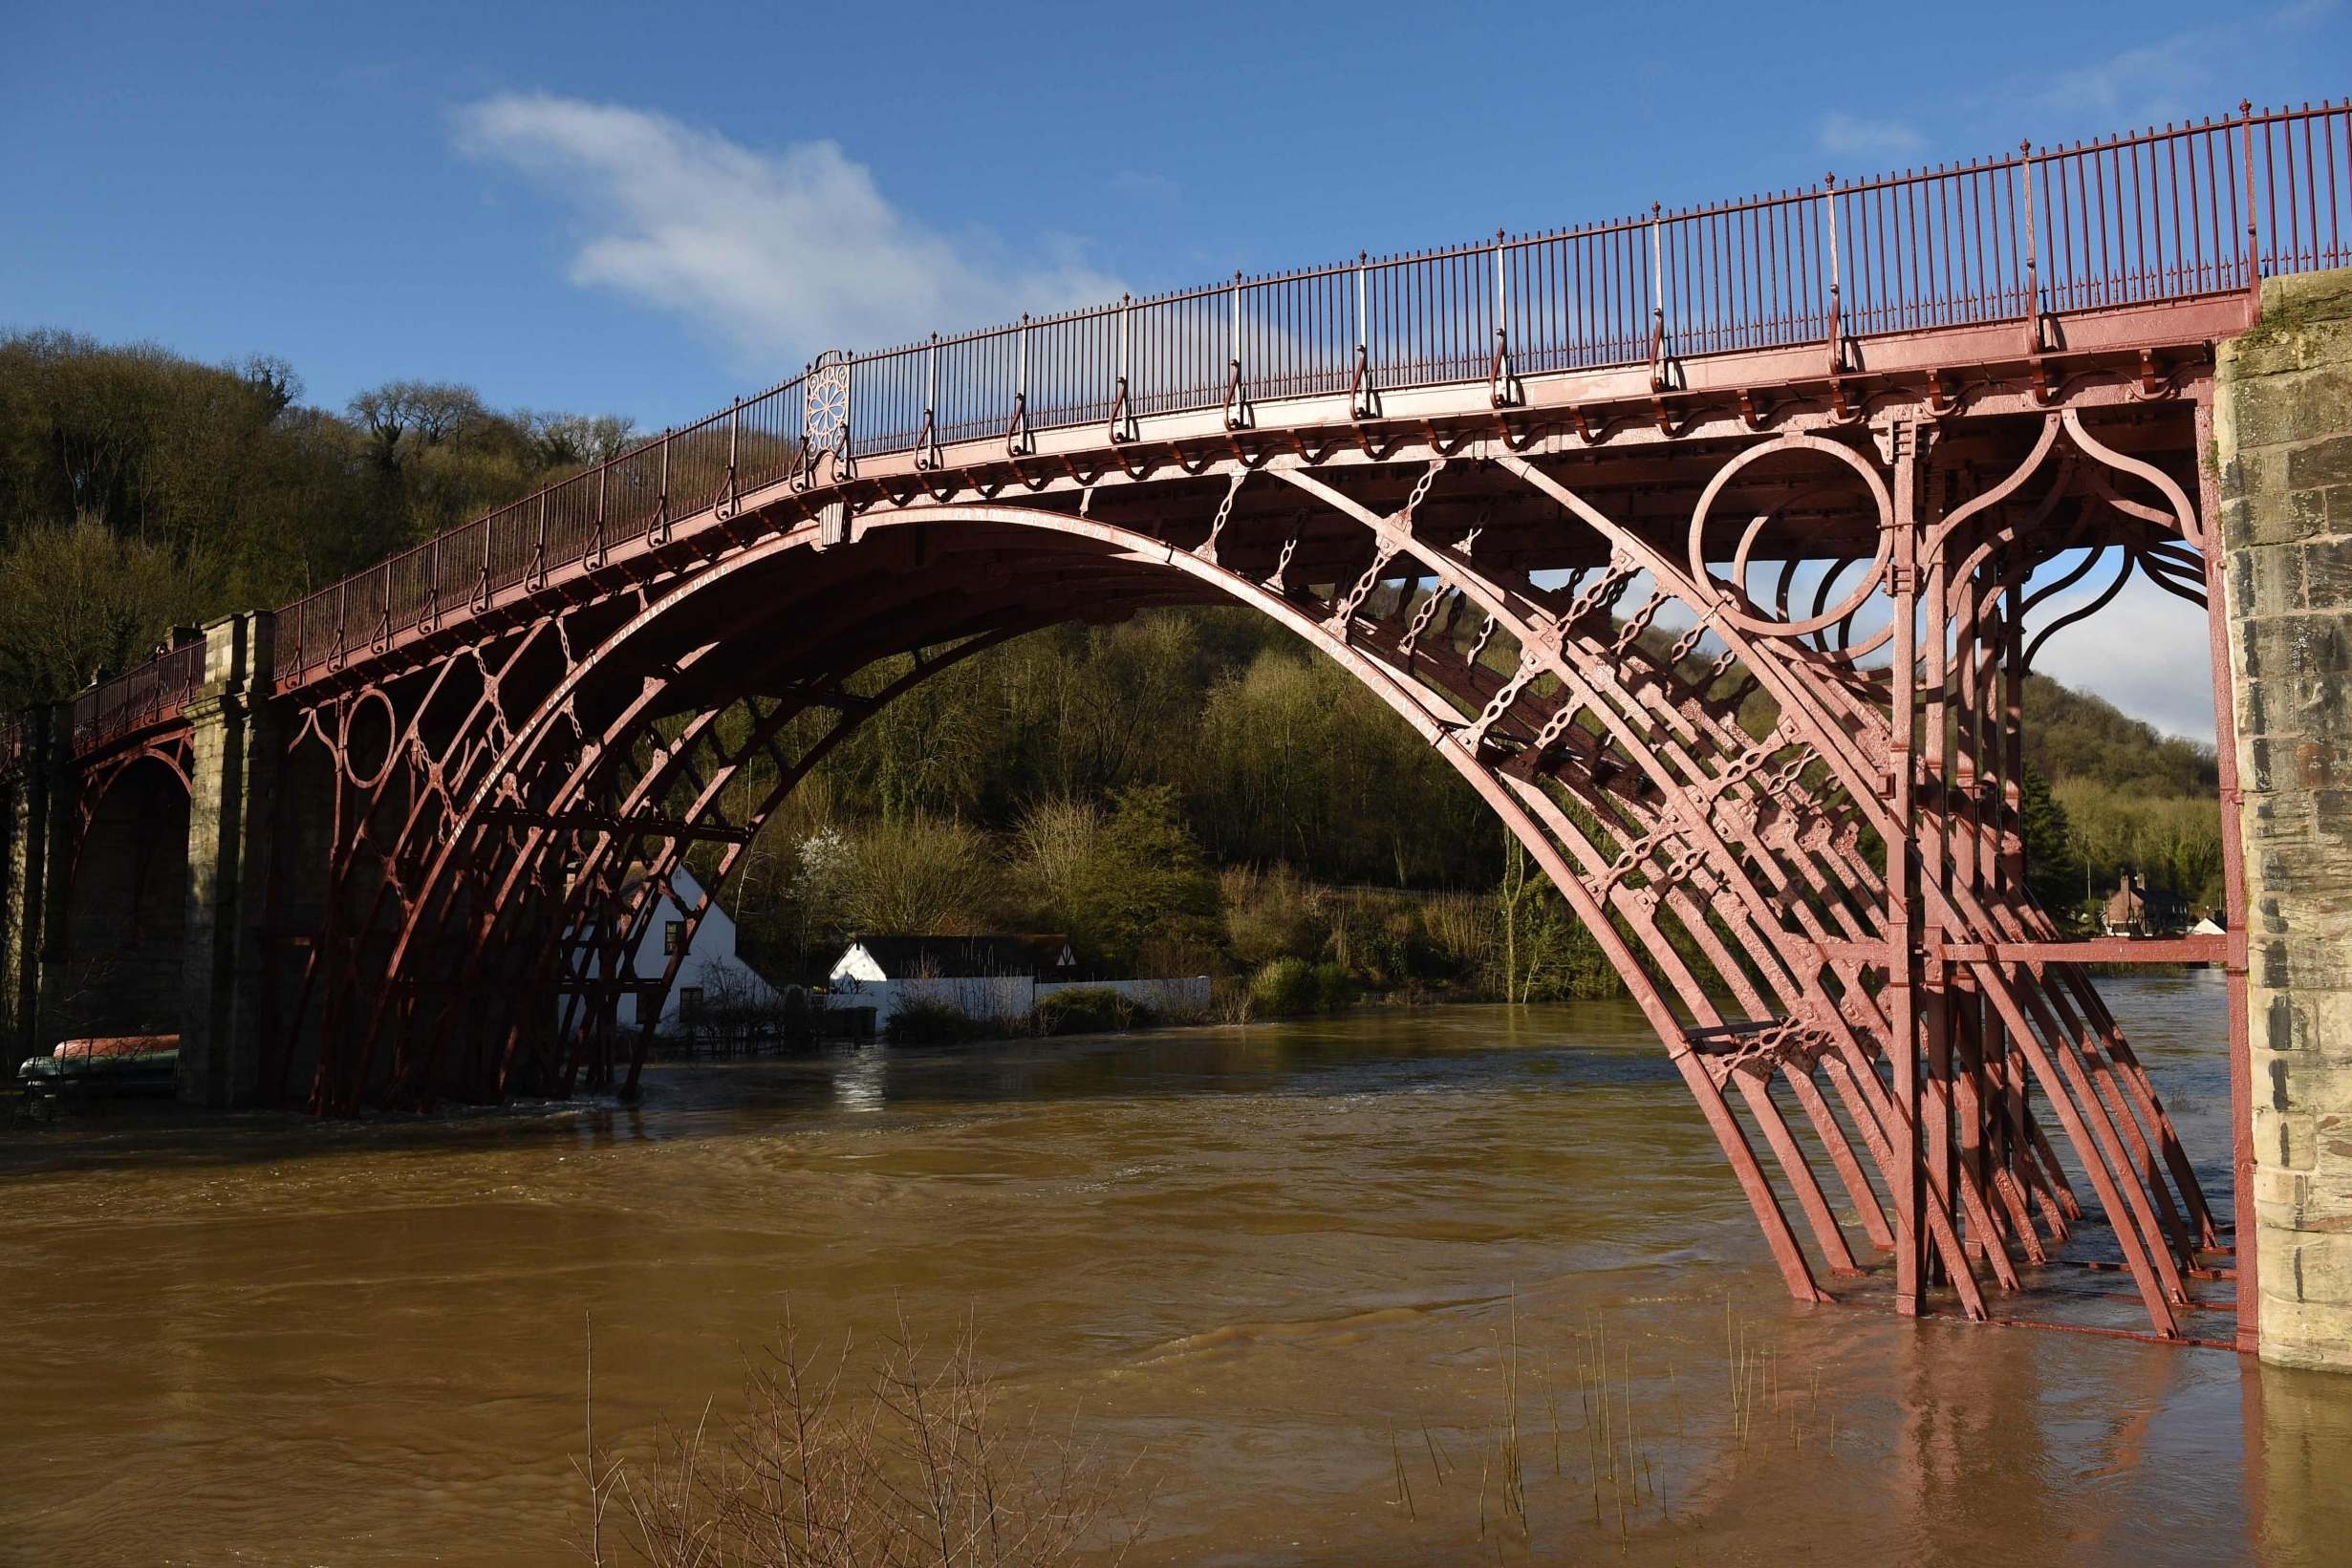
(928, 1022)
(1333, 988)
(1090, 1010)
(1283, 989)
(1272, 915)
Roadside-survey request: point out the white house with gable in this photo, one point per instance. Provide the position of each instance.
(988, 977)
(992, 978)
(709, 975)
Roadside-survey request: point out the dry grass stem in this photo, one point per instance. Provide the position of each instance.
(915, 1462)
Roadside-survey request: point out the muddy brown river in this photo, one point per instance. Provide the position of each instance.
(1296, 1275)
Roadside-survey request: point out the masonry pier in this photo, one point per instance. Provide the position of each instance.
(2283, 436)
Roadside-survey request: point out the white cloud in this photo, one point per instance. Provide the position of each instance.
(1849, 136)
(2182, 76)
(773, 252)
(2145, 652)
(2170, 80)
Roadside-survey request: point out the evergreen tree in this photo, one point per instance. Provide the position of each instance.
(1149, 880)
(2053, 871)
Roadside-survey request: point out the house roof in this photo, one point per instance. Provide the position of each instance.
(963, 957)
(682, 882)
(2132, 901)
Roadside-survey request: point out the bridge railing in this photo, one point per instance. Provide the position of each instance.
(2160, 215)
(2302, 159)
(138, 697)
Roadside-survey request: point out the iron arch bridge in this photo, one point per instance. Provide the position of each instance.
(1711, 547)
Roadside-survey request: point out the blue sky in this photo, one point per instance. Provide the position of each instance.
(645, 210)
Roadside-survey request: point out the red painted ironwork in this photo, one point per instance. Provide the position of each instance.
(2167, 216)
(1708, 546)
(138, 698)
(2150, 218)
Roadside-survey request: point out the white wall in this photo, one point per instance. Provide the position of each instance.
(993, 996)
(710, 962)
(1005, 997)
(1188, 995)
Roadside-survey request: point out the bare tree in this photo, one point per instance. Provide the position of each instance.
(575, 440)
(920, 873)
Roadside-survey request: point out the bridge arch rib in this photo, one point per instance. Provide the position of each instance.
(1711, 797)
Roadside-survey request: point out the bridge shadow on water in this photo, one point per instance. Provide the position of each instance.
(1443, 1050)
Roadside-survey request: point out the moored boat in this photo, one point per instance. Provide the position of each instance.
(108, 1065)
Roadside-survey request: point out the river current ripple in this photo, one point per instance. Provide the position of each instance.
(1297, 1273)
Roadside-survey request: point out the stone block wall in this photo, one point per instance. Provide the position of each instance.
(2282, 425)
(232, 771)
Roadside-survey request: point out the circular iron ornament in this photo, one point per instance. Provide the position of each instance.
(1708, 582)
(367, 748)
(824, 399)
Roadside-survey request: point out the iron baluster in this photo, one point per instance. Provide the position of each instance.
(595, 557)
(428, 609)
(1360, 389)
(1236, 400)
(1837, 301)
(804, 456)
(482, 576)
(1657, 305)
(2032, 255)
(724, 509)
(658, 534)
(1499, 380)
(1017, 438)
(927, 438)
(1122, 421)
(2253, 242)
(845, 443)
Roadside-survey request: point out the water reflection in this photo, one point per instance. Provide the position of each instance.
(1285, 1264)
(861, 1081)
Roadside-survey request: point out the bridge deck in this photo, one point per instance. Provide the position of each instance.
(1969, 281)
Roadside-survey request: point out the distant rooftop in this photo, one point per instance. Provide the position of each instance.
(958, 956)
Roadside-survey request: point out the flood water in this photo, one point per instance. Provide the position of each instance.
(1285, 1272)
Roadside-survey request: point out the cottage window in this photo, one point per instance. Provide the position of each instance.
(672, 938)
(690, 1003)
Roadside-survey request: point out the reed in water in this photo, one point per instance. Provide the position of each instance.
(917, 1461)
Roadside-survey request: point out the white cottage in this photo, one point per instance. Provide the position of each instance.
(994, 978)
(876, 958)
(709, 976)
(990, 977)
